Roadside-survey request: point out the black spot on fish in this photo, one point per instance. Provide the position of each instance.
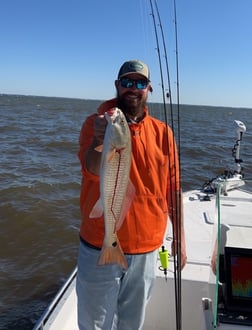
(114, 244)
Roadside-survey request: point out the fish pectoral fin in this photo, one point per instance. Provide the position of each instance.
(130, 194)
(97, 210)
(99, 148)
(111, 154)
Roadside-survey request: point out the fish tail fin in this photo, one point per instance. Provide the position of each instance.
(113, 255)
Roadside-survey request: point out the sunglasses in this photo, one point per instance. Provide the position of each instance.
(139, 83)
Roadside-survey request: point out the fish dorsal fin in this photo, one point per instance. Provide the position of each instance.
(130, 193)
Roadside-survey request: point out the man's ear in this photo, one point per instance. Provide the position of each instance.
(116, 83)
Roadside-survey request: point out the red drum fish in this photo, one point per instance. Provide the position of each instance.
(116, 189)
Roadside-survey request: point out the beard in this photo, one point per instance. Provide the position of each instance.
(132, 108)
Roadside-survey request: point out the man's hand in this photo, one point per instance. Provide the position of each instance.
(183, 252)
(99, 131)
(93, 154)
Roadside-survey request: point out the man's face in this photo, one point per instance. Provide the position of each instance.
(132, 99)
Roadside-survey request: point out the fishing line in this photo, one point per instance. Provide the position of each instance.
(175, 199)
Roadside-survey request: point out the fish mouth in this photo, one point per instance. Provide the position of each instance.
(110, 112)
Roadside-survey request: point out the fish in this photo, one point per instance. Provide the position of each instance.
(116, 188)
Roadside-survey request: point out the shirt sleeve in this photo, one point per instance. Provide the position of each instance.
(86, 138)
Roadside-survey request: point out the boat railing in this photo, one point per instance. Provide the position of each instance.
(41, 322)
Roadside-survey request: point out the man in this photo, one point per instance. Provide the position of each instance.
(110, 297)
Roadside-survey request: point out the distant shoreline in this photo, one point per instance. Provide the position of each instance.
(203, 106)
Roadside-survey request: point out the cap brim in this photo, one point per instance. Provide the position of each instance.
(133, 72)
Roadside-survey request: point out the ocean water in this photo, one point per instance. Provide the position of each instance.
(40, 184)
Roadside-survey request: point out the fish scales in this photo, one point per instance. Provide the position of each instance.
(115, 180)
(116, 190)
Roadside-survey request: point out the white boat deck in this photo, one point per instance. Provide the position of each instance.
(198, 280)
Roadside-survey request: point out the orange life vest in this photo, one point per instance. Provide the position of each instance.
(154, 173)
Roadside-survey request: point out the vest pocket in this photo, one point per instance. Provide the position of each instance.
(152, 215)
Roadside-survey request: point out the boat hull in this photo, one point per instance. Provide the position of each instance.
(198, 280)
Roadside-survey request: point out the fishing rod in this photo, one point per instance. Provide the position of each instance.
(169, 93)
(179, 313)
(175, 200)
(159, 58)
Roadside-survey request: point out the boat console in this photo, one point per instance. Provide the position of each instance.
(235, 294)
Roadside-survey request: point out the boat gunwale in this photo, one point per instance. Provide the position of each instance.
(54, 304)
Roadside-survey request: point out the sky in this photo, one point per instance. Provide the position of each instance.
(75, 48)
